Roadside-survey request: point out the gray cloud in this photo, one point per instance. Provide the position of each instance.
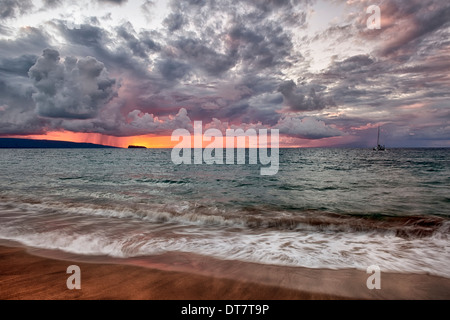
(229, 60)
(266, 46)
(417, 22)
(27, 42)
(5, 30)
(18, 65)
(119, 2)
(143, 123)
(74, 89)
(297, 100)
(204, 57)
(17, 108)
(172, 69)
(17, 115)
(48, 4)
(85, 34)
(174, 21)
(13, 8)
(306, 128)
(122, 49)
(141, 45)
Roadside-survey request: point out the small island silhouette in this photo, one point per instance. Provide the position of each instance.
(136, 147)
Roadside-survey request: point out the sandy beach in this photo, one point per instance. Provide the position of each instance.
(25, 276)
(28, 276)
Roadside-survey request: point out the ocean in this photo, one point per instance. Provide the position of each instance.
(325, 208)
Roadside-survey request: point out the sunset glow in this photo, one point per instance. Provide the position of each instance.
(224, 149)
(131, 72)
(148, 141)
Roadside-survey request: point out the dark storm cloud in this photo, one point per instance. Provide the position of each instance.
(404, 69)
(74, 89)
(85, 34)
(298, 100)
(264, 108)
(141, 45)
(17, 115)
(259, 83)
(358, 79)
(354, 64)
(363, 80)
(246, 52)
(17, 108)
(172, 69)
(418, 23)
(122, 50)
(248, 37)
(229, 62)
(234, 112)
(267, 46)
(18, 65)
(193, 3)
(119, 2)
(52, 3)
(203, 57)
(174, 21)
(151, 44)
(48, 4)
(28, 41)
(14, 8)
(269, 5)
(255, 45)
(406, 26)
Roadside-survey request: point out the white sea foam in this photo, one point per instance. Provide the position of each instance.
(305, 249)
(324, 208)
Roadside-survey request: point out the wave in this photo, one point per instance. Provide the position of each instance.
(302, 249)
(255, 218)
(307, 238)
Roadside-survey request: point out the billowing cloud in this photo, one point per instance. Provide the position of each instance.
(17, 115)
(298, 100)
(417, 22)
(174, 21)
(172, 69)
(18, 65)
(74, 89)
(141, 45)
(203, 57)
(310, 68)
(143, 123)
(306, 128)
(13, 8)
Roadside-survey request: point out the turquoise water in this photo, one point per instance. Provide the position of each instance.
(325, 208)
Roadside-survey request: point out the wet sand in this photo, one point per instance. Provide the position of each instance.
(28, 276)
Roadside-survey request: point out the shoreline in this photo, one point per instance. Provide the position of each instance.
(24, 276)
(33, 274)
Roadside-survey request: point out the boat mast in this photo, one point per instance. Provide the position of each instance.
(378, 139)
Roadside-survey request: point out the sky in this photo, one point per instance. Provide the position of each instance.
(121, 72)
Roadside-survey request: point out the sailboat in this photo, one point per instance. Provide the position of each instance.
(379, 147)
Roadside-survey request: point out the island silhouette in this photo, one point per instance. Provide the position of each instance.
(14, 143)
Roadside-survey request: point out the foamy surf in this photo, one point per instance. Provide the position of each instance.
(323, 209)
(91, 232)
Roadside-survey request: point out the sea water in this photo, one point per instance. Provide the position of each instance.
(325, 208)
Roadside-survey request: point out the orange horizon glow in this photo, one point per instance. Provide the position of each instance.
(152, 141)
(148, 141)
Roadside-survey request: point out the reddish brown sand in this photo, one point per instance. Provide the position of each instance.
(27, 276)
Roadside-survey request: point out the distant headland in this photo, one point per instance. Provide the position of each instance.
(13, 143)
(136, 147)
